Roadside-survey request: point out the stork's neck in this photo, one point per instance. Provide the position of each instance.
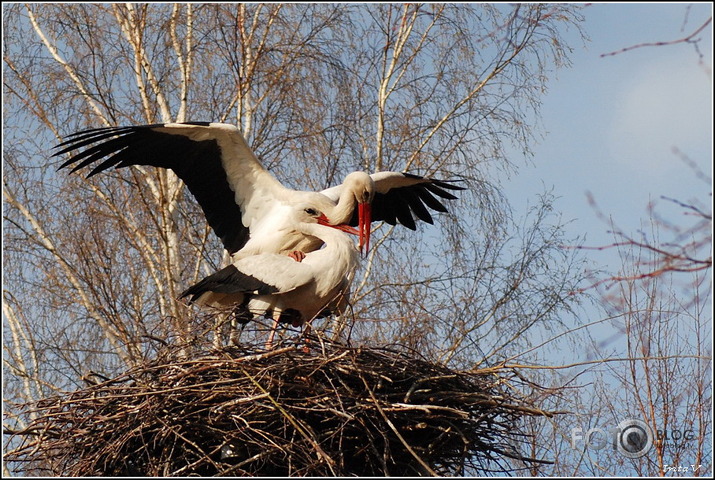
(343, 211)
(339, 254)
(333, 265)
(356, 185)
(333, 238)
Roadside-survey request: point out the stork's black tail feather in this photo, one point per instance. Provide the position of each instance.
(228, 280)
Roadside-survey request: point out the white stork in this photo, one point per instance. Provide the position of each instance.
(243, 203)
(276, 285)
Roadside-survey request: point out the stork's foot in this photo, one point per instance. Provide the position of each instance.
(234, 338)
(306, 340)
(269, 343)
(297, 255)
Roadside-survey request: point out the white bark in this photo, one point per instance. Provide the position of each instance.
(112, 334)
(68, 68)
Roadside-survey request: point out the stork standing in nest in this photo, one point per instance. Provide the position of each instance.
(291, 289)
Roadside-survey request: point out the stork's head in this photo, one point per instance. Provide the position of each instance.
(362, 186)
(310, 214)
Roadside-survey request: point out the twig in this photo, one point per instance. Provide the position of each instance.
(688, 39)
(392, 427)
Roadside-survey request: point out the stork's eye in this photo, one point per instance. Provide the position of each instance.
(311, 211)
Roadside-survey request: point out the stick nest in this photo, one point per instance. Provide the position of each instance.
(331, 411)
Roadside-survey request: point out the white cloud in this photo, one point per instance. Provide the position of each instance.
(665, 103)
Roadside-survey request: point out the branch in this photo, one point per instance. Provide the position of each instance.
(20, 338)
(688, 39)
(67, 67)
(130, 28)
(110, 331)
(184, 65)
(501, 63)
(592, 362)
(396, 432)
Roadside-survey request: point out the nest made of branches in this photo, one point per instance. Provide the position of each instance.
(331, 410)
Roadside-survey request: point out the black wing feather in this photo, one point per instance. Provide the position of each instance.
(428, 199)
(85, 137)
(398, 204)
(228, 280)
(415, 203)
(439, 190)
(382, 210)
(402, 210)
(197, 164)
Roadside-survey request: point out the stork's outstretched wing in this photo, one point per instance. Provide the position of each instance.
(400, 195)
(212, 159)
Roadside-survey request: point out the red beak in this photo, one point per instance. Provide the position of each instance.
(364, 225)
(323, 220)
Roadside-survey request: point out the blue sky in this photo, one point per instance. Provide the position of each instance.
(611, 122)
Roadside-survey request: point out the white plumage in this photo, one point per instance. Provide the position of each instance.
(243, 203)
(259, 221)
(277, 286)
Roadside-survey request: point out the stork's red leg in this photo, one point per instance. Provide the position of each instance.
(269, 343)
(297, 255)
(306, 332)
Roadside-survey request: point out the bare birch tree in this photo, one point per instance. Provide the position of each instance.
(93, 267)
(654, 366)
(660, 301)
